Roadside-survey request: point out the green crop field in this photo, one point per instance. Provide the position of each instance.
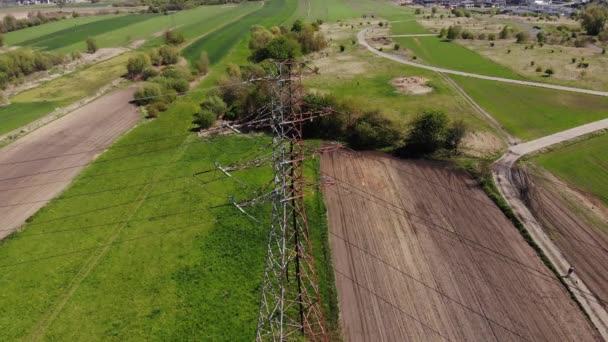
(76, 36)
(31, 33)
(134, 246)
(583, 165)
(450, 55)
(407, 26)
(35, 103)
(218, 43)
(329, 11)
(529, 112)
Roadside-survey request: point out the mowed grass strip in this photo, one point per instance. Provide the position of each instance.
(69, 36)
(583, 165)
(31, 33)
(217, 43)
(437, 52)
(530, 112)
(177, 271)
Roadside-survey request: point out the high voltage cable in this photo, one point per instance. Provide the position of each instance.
(391, 304)
(425, 284)
(489, 204)
(545, 277)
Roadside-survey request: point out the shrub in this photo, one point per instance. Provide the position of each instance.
(467, 35)
(505, 33)
(397, 47)
(430, 132)
(215, 105)
(593, 18)
(522, 37)
(149, 93)
(155, 108)
(174, 38)
(374, 130)
(481, 36)
(150, 73)
(549, 71)
(76, 55)
(91, 45)
(1, 40)
(204, 119)
(573, 60)
(541, 38)
(137, 64)
(155, 57)
(178, 72)
(168, 55)
(532, 63)
(539, 69)
(453, 32)
(443, 32)
(454, 135)
(491, 36)
(203, 63)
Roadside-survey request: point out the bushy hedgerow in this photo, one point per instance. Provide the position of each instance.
(279, 43)
(16, 64)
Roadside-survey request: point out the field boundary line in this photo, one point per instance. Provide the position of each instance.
(92, 262)
(361, 37)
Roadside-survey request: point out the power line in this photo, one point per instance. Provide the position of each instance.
(540, 274)
(426, 285)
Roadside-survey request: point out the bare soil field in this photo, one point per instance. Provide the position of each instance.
(421, 254)
(579, 227)
(37, 167)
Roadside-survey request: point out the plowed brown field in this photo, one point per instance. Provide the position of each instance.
(581, 236)
(421, 254)
(40, 165)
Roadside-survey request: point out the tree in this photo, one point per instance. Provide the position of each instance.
(443, 32)
(174, 38)
(91, 45)
(137, 64)
(204, 119)
(505, 33)
(434, 10)
(147, 94)
(522, 37)
(427, 134)
(454, 135)
(541, 38)
(297, 26)
(280, 48)
(454, 32)
(593, 18)
(203, 63)
(168, 54)
(549, 72)
(215, 105)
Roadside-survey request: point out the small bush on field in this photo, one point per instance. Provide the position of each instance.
(549, 71)
(150, 73)
(91, 45)
(522, 37)
(342, 48)
(539, 69)
(178, 72)
(397, 47)
(174, 38)
(453, 32)
(431, 131)
(204, 119)
(168, 55)
(147, 94)
(203, 63)
(137, 64)
(16, 64)
(467, 35)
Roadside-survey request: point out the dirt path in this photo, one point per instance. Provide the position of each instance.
(417, 260)
(507, 180)
(362, 36)
(41, 165)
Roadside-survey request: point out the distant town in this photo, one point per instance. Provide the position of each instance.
(550, 7)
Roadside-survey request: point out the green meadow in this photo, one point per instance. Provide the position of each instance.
(583, 164)
(530, 112)
(143, 249)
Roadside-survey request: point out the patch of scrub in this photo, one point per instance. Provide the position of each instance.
(411, 85)
(344, 65)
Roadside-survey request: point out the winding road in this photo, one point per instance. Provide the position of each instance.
(506, 178)
(362, 36)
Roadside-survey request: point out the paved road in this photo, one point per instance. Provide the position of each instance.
(362, 35)
(506, 179)
(39, 166)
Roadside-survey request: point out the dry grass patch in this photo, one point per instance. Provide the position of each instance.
(411, 85)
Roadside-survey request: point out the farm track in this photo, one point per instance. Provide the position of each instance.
(362, 36)
(415, 261)
(92, 127)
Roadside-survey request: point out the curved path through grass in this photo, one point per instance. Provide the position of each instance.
(361, 37)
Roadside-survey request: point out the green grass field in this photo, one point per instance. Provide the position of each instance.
(329, 11)
(28, 34)
(131, 246)
(408, 26)
(529, 112)
(76, 36)
(583, 165)
(218, 43)
(436, 52)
